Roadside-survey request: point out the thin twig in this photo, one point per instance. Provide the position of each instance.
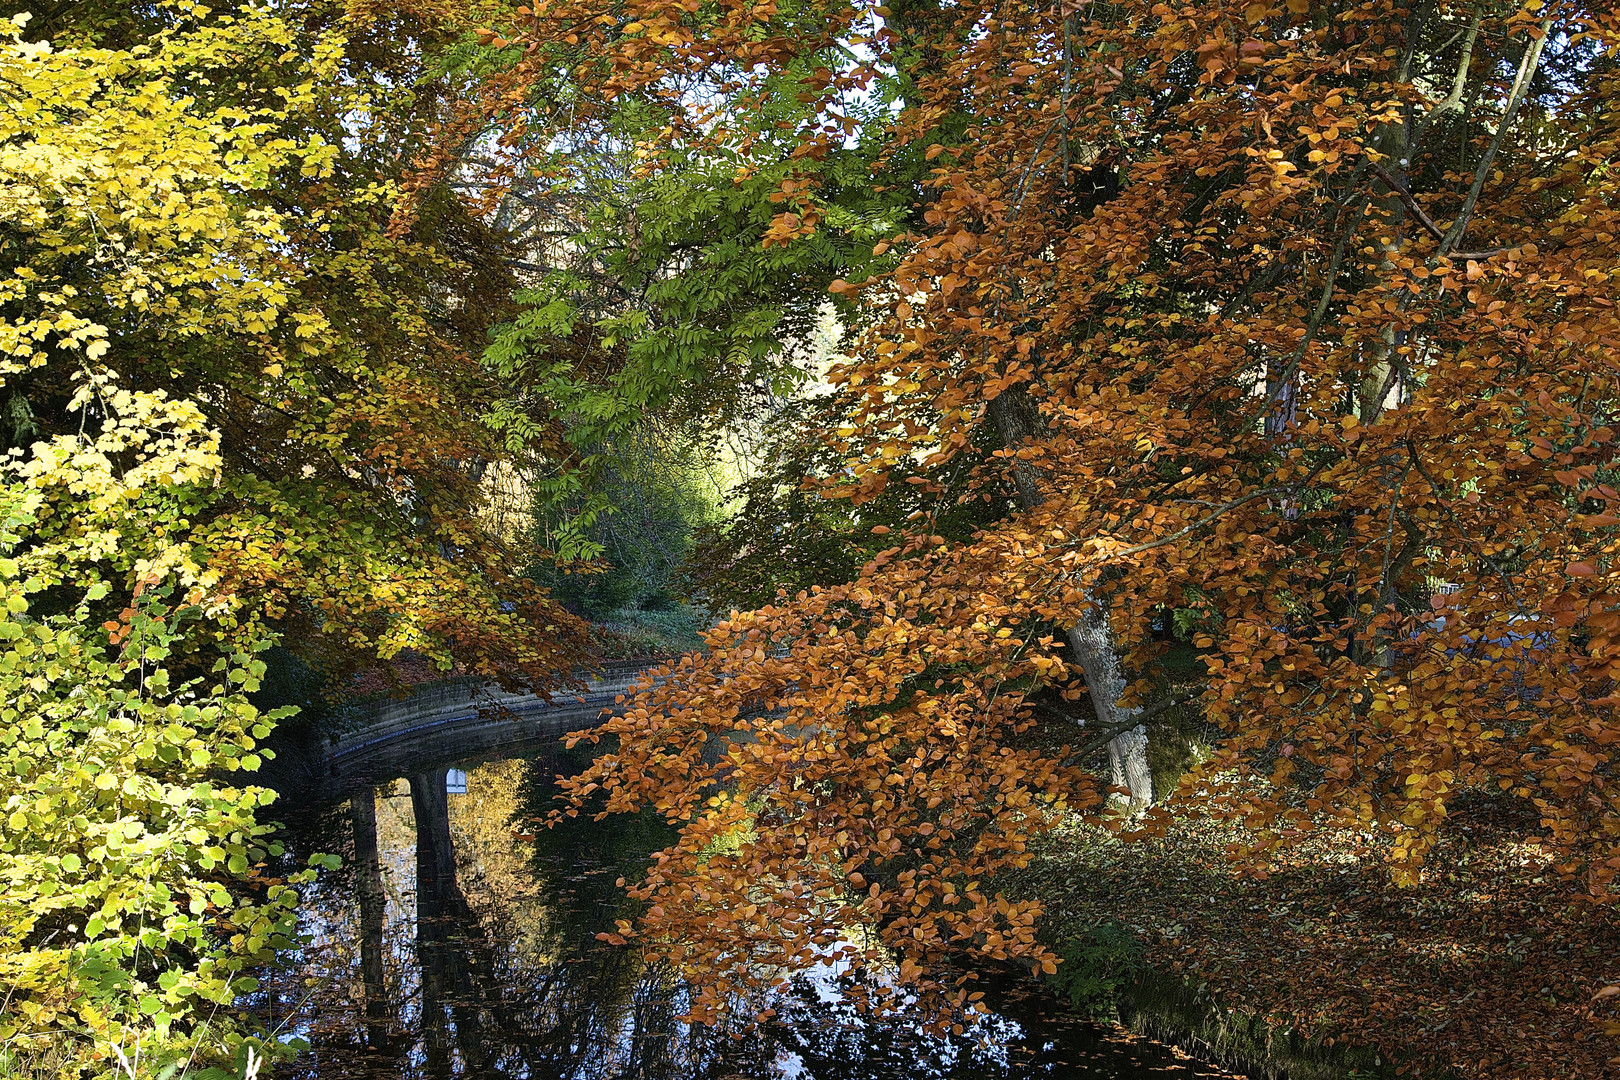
(1224, 508)
(1314, 324)
(1063, 97)
(1428, 224)
(1108, 734)
(1389, 532)
(1439, 492)
(1256, 282)
(1023, 181)
(1411, 203)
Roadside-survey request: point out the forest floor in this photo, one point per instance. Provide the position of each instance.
(1486, 969)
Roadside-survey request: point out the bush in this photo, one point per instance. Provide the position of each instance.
(647, 498)
(132, 902)
(665, 631)
(1097, 966)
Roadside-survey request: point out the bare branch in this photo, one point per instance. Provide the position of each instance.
(1521, 87)
(1428, 223)
(1314, 324)
(1108, 734)
(1453, 100)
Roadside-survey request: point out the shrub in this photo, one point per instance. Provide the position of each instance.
(1097, 966)
(131, 895)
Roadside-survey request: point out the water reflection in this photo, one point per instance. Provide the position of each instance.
(447, 947)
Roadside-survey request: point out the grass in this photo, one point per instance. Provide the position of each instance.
(38, 1057)
(669, 631)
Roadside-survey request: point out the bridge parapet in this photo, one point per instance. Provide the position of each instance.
(443, 723)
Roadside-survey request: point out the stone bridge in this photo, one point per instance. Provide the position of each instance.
(440, 724)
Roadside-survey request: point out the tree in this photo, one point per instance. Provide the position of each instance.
(1304, 313)
(236, 412)
(133, 907)
(785, 535)
(658, 490)
(338, 367)
(638, 200)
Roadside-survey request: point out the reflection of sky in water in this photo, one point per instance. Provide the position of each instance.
(491, 969)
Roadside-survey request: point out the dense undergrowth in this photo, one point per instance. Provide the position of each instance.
(667, 631)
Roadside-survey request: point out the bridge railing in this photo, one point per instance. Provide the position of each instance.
(472, 700)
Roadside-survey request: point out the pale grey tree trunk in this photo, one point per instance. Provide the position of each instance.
(1017, 420)
(1095, 649)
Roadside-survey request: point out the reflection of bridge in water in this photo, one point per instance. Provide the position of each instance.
(451, 946)
(459, 940)
(454, 722)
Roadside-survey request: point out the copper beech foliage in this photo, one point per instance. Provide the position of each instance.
(846, 760)
(1299, 316)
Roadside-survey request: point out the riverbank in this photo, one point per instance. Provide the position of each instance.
(1321, 968)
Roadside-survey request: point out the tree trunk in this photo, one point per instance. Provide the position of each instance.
(1018, 419)
(1095, 649)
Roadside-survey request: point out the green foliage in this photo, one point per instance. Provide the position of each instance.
(203, 280)
(1097, 967)
(663, 631)
(664, 299)
(1199, 615)
(1185, 621)
(790, 531)
(131, 904)
(654, 492)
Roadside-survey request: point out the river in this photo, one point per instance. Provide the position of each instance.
(454, 944)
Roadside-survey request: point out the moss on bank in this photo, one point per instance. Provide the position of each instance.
(1105, 974)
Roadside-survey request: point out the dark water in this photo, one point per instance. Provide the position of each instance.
(449, 946)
